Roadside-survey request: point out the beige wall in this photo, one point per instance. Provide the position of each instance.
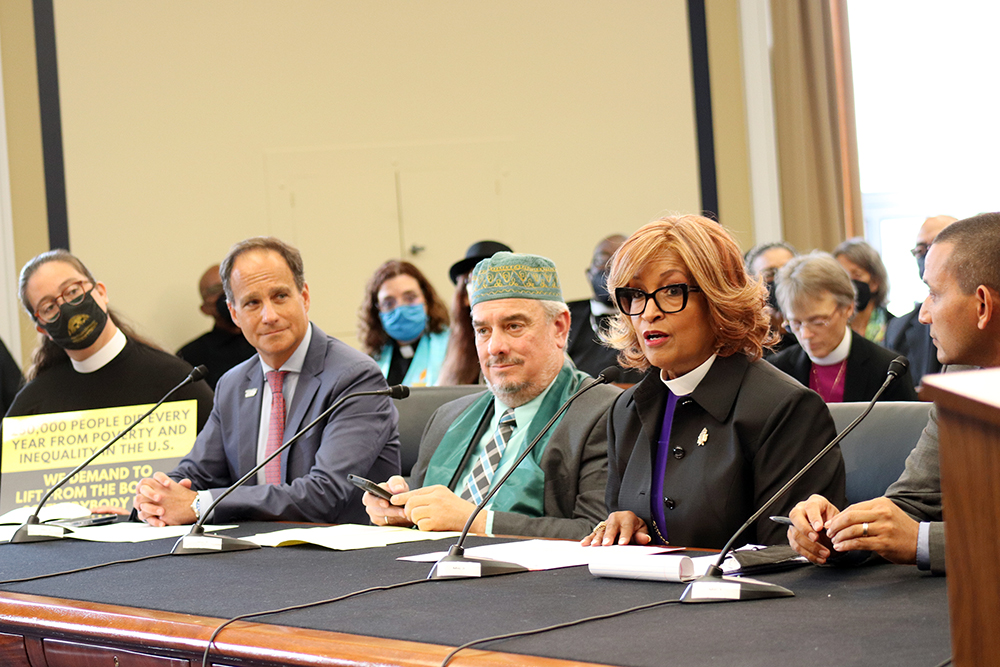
(24, 143)
(358, 129)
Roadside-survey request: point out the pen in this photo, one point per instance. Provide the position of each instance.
(784, 520)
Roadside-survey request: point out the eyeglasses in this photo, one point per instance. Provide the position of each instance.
(919, 250)
(669, 298)
(47, 310)
(814, 324)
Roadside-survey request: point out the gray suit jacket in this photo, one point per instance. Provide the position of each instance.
(359, 437)
(918, 490)
(575, 463)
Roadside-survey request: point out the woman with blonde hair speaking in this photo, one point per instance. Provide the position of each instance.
(711, 431)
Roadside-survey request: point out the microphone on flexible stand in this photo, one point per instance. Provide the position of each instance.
(456, 565)
(198, 542)
(32, 530)
(713, 586)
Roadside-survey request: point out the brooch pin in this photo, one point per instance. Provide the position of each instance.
(703, 437)
(250, 393)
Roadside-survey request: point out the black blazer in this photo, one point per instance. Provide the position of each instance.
(866, 368)
(908, 336)
(762, 428)
(586, 350)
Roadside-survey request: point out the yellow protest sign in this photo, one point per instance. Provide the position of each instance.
(39, 449)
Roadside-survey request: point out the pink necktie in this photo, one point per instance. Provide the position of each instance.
(275, 426)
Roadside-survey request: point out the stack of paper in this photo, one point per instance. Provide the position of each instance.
(546, 554)
(346, 536)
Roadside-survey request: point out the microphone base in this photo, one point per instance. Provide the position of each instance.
(198, 542)
(713, 587)
(458, 566)
(34, 531)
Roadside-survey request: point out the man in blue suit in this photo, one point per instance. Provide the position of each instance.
(297, 373)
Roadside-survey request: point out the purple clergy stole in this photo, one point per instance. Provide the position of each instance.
(660, 469)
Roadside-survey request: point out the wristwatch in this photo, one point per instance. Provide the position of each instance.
(196, 507)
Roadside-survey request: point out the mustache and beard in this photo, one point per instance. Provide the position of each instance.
(511, 393)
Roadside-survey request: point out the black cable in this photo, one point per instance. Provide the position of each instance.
(208, 646)
(557, 626)
(945, 663)
(83, 569)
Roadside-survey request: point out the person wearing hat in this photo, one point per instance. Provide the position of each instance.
(521, 322)
(461, 362)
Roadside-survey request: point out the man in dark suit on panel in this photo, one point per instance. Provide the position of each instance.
(520, 322)
(298, 366)
(907, 334)
(907, 524)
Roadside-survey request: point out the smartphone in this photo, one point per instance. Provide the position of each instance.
(92, 520)
(369, 486)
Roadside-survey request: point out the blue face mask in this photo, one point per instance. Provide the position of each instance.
(405, 323)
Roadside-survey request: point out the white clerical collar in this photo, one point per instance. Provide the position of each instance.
(839, 353)
(298, 358)
(687, 383)
(100, 359)
(598, 308)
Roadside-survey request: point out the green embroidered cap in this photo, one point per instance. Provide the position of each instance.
(508, 275)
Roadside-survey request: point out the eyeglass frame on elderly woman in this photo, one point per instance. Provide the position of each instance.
(624, 292)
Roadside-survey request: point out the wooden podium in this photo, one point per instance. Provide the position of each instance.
(968, 405)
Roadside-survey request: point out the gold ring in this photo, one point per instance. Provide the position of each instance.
(864, 529)
(601, 526)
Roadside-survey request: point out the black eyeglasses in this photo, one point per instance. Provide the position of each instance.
(669, 298)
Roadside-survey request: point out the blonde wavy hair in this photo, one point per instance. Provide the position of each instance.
(715, 264)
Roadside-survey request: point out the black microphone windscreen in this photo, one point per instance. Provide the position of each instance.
(611, 374)
(898, 366)
(399, 391)
(198, 373)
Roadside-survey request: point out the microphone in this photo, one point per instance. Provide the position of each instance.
(198, 542)
(456, 565)
(32, 530)
(713, 586)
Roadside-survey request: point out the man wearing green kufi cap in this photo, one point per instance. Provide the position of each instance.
(521, 322)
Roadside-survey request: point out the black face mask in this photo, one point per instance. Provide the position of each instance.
(863, 294)
(920, 264)
(79, 325)
(599, 283)
(772, 297)
(222, 308)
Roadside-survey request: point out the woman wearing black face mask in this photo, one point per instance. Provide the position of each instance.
(86, 357)
(871, 284)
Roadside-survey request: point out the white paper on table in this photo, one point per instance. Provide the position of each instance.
(131, 531)
(648, 567)
(544, 554)
(55, 511)
(346, 537)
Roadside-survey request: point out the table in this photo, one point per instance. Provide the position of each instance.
(163, 610)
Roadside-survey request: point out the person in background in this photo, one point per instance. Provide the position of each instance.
(907, 334)
(839, 364)
(87, 358)
(521, 322)
(712, 431)
(763, 261)
(224, 346)
(403, 325)
(907, 524)
(871, 284)
(461, 361)
(590, 316)
(297, 373)
(10, 379)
